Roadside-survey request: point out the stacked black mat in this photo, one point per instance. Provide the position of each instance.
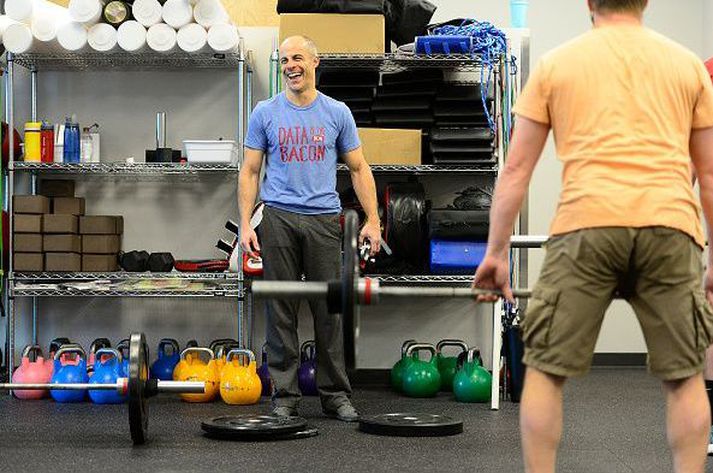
(353, 87)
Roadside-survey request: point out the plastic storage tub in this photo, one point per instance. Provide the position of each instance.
(211, 151)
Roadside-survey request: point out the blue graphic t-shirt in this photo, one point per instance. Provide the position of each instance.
(302, 145)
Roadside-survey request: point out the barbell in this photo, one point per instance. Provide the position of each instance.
(344, 295)
(137, 387)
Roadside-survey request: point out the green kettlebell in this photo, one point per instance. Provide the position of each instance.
(421, 378)
(447, 365)
(397, 372)
(472, 383)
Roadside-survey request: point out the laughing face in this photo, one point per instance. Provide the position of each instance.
(298, 62)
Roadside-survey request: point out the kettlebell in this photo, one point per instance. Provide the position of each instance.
(183, 360)
(97, 344)
(107, 370)
(264, 373)
(163, 367)
(240, 384)
(55, 345)
(472, 383)
(447, 365)
(123, 348)
(421, 378)
(31, 372)
(221, 349)
(67, 370)
(397, 371)
(307, 372)
(193, 368)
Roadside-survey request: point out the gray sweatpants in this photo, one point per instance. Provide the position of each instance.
(294, 244)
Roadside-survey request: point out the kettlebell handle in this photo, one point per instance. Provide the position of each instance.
(307, 344)
(219, 342)
(240, 351)
(108, 351)
(123, 346)
(227, 346)
(405, 345)
(471, 354)
(70, 348)
(169, 341)
(451, 342)
(186, 351)
(421, 346)
(36, 349)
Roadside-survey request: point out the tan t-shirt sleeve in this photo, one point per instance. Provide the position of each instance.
(534, 100)
(703, 111)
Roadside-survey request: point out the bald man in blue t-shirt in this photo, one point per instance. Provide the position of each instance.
(302, 132)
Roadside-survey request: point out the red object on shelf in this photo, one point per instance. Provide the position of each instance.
(6, 145)
(47, 145)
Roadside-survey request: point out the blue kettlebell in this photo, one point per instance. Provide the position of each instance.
(163, 367)
(123, 349)
(69, 371)
(106, 371)
(264, 373)
(307, 372)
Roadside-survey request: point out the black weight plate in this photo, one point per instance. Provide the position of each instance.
(253, 427)
(407, 424)
(300, 434)
(138, 375)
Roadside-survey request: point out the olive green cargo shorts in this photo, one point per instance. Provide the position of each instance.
(658, 270)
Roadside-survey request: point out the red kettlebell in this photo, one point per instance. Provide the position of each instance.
(31, 372)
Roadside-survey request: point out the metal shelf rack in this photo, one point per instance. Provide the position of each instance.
(488, 168)
(34, 285)
(396, 62)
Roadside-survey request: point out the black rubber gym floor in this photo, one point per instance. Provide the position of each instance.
(614, 422)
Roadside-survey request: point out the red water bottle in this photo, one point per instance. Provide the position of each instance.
(47, 143)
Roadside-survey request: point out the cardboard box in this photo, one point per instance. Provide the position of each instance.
(251, 12)
(65, 262)
(101, 244)
(101, 225)
(63, 243)
(27, 223)
(28, 262)
(100, 263)
(56, 188)
(68, 205)
(382, 146)
(27, 243)
(56, 223)
(31, 204)
(335, 33)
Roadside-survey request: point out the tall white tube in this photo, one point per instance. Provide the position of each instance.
(17, 38)
(223, 38)
(210, 12)
(192, 38)
(131, 36)
(161, 38)
(72, 36)
(147, 12)
(102, 37)
(177, 13)
(88, 12)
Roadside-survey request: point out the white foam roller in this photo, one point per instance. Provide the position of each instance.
(177, 13)
(131, 36)
(223, 38)
(46, 20)
(161, 38)
(102, 37)
(19, 10)
(5, 21)
(147, 12)
(192, 38)
(72, 36)
(210, 12)
(88, 12)
(17, 38)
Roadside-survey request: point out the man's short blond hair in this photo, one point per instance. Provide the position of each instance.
(308, 44)
(619, 6)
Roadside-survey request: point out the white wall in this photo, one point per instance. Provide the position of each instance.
(186, 217)
(707, 29)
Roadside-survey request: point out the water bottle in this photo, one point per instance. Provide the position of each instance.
(68, 148)
(86, 146)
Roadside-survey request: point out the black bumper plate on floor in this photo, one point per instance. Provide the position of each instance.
(257, 428)
(405, 424)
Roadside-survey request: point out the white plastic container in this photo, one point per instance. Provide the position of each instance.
(211, 151)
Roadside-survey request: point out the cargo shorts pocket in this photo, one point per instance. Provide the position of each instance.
(537, 322)
(703, 321)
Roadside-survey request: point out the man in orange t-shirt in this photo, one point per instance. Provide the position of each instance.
(708, 374)
(630, 110)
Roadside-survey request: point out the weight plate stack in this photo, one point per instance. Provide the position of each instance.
(138, 375)
(257, 428)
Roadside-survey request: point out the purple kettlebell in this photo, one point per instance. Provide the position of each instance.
(307, 372)
(264, 374)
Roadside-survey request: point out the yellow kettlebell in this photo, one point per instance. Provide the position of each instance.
(240, 384)
(183, 360)
(193, 368)
(221, 347)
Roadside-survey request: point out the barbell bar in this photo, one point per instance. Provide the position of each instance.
(351, 290)
(138, 387)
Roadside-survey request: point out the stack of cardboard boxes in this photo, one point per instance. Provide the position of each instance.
(51, 232)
